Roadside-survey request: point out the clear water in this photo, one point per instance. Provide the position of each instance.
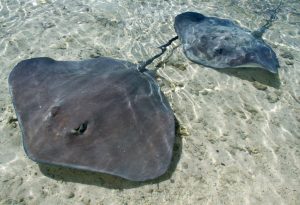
(239, 140)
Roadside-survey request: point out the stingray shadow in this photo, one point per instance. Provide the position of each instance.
(110, 181)
(254, 74)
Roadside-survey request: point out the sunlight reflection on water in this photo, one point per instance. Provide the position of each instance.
(240, 141)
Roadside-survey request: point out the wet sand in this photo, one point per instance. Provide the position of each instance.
(239, 135)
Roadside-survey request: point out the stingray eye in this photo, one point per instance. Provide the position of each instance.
(54, 111)
(81, 129)
(219, 51)
(250, 56)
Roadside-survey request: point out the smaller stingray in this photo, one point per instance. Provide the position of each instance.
(219, 43)
(103, 115)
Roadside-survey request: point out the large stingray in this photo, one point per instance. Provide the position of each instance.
(102, 115)
(219, 43)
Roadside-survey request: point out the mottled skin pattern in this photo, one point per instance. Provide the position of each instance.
(101, 115)
(219, 43)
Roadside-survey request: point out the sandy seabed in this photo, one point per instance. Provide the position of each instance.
(239, 136)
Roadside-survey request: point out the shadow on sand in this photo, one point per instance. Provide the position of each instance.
(254, 74)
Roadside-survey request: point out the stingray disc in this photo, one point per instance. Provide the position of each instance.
(101, 115)
(219, 43)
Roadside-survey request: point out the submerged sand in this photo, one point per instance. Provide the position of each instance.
(239, 136)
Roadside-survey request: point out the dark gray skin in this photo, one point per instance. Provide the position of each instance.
(219, 43)
(101, 115)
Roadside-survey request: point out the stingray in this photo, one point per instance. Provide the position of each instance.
(220, 43)
(103, 115)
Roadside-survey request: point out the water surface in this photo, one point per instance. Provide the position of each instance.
(239, 140)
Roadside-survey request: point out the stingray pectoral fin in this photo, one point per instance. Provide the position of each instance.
(219, 43)
(100, 115)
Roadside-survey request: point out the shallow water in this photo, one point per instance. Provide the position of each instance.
(239, 136)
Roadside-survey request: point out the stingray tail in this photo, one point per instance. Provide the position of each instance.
(258, 33)
(163, 48)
